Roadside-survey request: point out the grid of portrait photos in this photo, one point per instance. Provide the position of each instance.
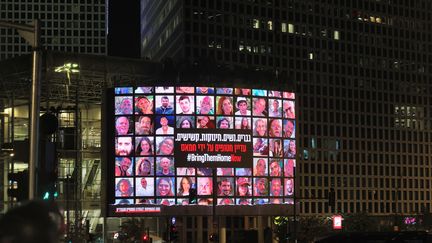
(145, 122)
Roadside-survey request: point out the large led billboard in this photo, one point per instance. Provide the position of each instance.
(163, 141)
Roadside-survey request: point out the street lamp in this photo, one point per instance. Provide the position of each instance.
(31, 33)
(68, 68)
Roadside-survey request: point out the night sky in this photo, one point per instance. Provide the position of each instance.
(124, 29)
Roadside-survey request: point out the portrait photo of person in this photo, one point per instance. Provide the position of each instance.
(205, 201)
(123, 201)
(182, 201)
(145, 201)
(242, 107)
(124, 146)
(185, 105)
(225, 171)
(166, 201)
(275, 93)
(260, 147)
(242, 92)
(144, 146)
(275, 128)
(243, 187)
(243, 123)
(261, 187)
(260, 167)
(261, 201)
(224, 105)
(184, 185)
(144, 166)
(165, 186)
(226, 201)
(123, 105)
(202, 171)
(185, 90)
(205, 105)
(243, 171)
(144, 90)
(224, 122)
(122, 125)
(165, 104)
(289, 95)
(288, 129)
(185, 171)
(205, 186)
(143, 125)
(205, 122)
(144, 105)
(144, 186)
(165, 166)
(204, 90)
(275, 168)
(164, 90)
(185, 122)
(165, 145)
(288, 109)
(289, 165)
(259, 107)
(224, 90)
(276, 200)
(276, 148)
(165, 126)
(290, 148)
(289, 187)
(225, 186)
(275, 108)
(123, 166)
(123, 90)
(259, 92)
(260, 127)
(124, 187)
(276, 187)
(243, 201)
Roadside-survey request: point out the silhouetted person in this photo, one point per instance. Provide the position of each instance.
(32, 222)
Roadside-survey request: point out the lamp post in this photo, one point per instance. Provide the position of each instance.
(73, 68)
(31, 33)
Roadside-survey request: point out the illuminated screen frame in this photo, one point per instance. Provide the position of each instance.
(253, 131)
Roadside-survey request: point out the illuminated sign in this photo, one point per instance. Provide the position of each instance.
(337, 222)
(163, 141)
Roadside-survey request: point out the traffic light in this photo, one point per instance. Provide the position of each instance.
(332, 198)
(173, 233)
(19, 185)
(192, 196)
(213, 237)
(47, 173)
(145, 238)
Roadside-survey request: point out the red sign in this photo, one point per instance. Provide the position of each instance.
(337, 222)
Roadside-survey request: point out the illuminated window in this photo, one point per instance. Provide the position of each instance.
(284, 27)
(241, 47)
(311, 56)
(270, 25)
(336, 35)
(255, 23)
(290, 28)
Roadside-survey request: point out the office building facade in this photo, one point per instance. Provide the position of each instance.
(361, 75)
(77, 26)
